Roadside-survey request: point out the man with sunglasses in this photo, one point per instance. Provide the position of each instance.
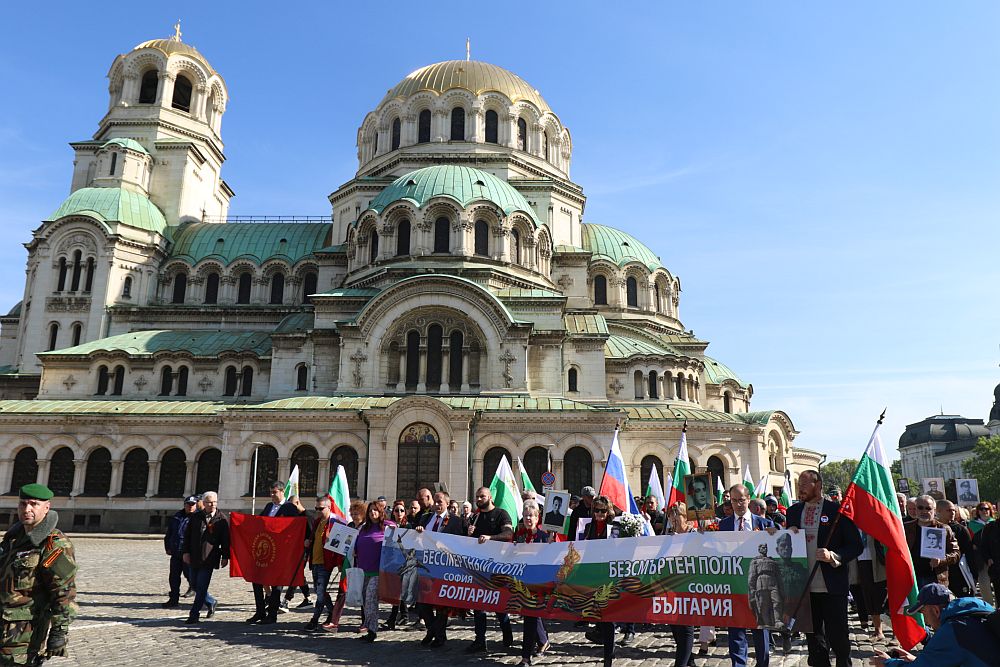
(930, 570)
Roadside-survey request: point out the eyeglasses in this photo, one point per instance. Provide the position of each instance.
(399, 509)
(924, 508)
(600, 509)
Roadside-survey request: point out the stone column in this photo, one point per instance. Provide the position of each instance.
(408, 133)
(323, 476)
(5, 471)
(401, 383)
(198, 97)
(662, 386)
(153, 477)
(511, 131)
(668, 386)
(165, 91)
(284, 468)
(43, 471)
(465, 369)
(476, 127)
(537, 132)
(422, 373)
(445, 365)
(116, 478)
(439, 127)
(130, 90)
(189, 477)
(79, 474)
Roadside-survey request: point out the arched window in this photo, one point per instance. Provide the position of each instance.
(246, 386)
(277, 289)
(301, 377)
(182, 93)
(412, 359)
(638, 380)
(373, 140)
(545, 146)
(491, 461)
(25, 469)
(656, 297)
(267, 470)
(423, 130)
(482, 239)
(571, 379)
(403, 238)
(434, 337)
(182, 381)
(679, 387)
(515, 246)
(632, 292)
(173, 474)
(646, 470)
(578, 469)
(458, 124)
(536, 462)
(77, 333)
(61, 472)
(102, 381)
(718, 470)
(727, 402)
(492, 124)
(135, 473)
(75, 283)
(127, 288)
(394, 144)
(97, 479)
(119, 381)
(53, 335)
(114, 163)
(441, 235)
(455, 361)
(231, 381)
(346, 456)
(309, 282)
(212, 288)
(166, 381)
(243, 288)
(88, 283)
(180, 287)
(522, 134)
(307, 460)
(147, 89)
(61, 284)
(373, 247)
(653, 385)
(600, 291)
(209, 468)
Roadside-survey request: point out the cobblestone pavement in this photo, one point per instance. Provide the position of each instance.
(122, 583)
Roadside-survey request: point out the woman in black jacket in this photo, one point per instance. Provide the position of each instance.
(601, 513)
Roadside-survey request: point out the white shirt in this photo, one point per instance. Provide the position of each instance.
(438, 522)
(744, 522)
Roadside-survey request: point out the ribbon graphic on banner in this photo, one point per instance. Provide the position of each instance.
(719, 578)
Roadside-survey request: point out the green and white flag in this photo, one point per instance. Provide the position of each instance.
(760, 490)
(525, 480)
(786, 491)
(719, 490)
(504, 490)
(292, 486)
(748, 481)
(654, 489)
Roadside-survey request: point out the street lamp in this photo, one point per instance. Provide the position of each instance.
(253, 487)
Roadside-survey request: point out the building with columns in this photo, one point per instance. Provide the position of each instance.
(454, 307)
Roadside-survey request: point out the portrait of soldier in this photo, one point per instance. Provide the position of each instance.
(766, 590)
(698, 495)
(793, 576)
(967, 493)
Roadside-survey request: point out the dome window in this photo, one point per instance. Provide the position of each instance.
(396, 127)
(482, 238)
(632, 292)
(458, 124)
(243, 288)
(424, 127)
(522, 134)
(600, 291)
(182, 94)
(411, 183)
(309, 284)
(127, 288)
(492, 124)
(77, 334)
(403, 239)
(441, 236)
(480, 184)
(180, 288)
(212, 288)
(277, 289)
(148, 87)
(114, 163)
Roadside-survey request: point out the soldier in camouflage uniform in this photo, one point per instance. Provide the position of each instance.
(37, 583)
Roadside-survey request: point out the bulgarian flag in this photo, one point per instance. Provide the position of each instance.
(340, 495)
(504, 490)
(748, 482)
(719, 490)
(654, 489)
(682, 468)
(760, 490)
(525, 480)
(786, 491)
(870, 501)
(292, 486)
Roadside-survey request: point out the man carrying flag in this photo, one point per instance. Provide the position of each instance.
(503, 490)
(682, 468)
(870, 501)
(266, 607)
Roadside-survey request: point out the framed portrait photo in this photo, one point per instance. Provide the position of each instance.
(700, 499)
(967, 491)
(555, 511)
(933, 486)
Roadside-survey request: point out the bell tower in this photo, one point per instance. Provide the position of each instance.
(161, 135)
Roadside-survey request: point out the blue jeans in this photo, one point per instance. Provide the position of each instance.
(201, 577)
(177, 568)
(738, 647)
(321, 577)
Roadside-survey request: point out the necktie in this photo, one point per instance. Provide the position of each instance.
(437, 522)
(741, 523)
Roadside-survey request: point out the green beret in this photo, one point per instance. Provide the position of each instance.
(35, 492)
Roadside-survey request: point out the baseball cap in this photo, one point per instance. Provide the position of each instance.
(191, 500)
(381, 499)
(834, 491)
(935, 594)
(588, 491)
(771, 500)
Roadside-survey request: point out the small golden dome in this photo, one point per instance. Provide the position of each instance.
(474, 76)
(174, 45)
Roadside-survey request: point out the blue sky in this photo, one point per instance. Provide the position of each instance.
(823, 178)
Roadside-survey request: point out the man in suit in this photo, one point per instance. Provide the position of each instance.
(832, 541)
(266, 606)
(744, 520)
(439, 521)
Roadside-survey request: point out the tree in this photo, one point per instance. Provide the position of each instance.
(838, 473)
(983, 466)
(896, 468)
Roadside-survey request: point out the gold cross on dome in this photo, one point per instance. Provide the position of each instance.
(177, 31)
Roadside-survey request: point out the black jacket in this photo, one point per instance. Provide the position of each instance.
(173, 541)
(845, 541)
(455, 524)
(207, 541)
(286, 509)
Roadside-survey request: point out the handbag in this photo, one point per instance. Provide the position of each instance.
(355, 584)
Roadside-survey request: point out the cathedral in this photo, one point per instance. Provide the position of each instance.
(454, 307)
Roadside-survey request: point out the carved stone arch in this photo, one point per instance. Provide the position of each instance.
(782, 420)
(130, 443)
(486, 210)
(342, 439)
(273, 266)
(164, 444)
(490, 440)
(394, 213)
(722, 452)
(366, 223)
(94, 442)
(531, 440)
(494, 101)
(218, 89)
(23, 441)
(203, 444)
(637, 271)
(172, 268)
(241, 265)
(139, 62)
(291, 441)
(441, 208)
(302, 267)
(585, 440)
(528, 111)
(181, 65)
(424, 100)
(54, 442)
(551, 123)
(449, 319)
(664, 450)
(244, 450)
(207, 266)
(75, 239)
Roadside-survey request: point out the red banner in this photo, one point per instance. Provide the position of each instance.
(267, 550)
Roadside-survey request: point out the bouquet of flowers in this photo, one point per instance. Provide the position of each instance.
(629, 525)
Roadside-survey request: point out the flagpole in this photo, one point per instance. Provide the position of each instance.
(253, 501)
(833, 527)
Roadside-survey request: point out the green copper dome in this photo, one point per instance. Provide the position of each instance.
(617, 246)
(462, 184)
(131, 144)
(113, 205)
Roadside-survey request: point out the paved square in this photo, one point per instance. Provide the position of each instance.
(122, 583)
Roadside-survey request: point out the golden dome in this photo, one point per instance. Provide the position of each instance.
(474, 76)
(172, 46)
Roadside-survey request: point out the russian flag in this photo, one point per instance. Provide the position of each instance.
(615, 484)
